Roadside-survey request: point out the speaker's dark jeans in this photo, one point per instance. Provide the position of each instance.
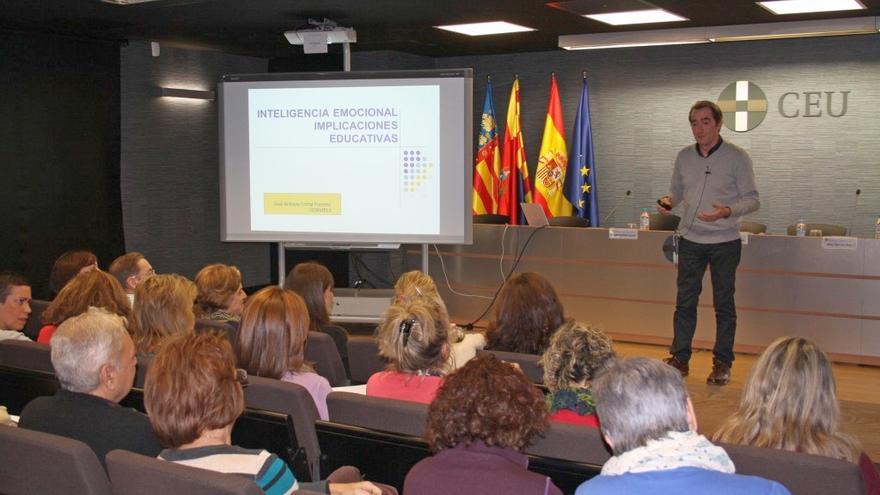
(722, 260)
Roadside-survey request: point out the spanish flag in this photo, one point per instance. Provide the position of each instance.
(488, 162)
(514, 178)
(552, 160)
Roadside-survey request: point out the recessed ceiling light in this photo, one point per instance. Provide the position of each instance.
(484, 28)
(782, 7)
(636, 17)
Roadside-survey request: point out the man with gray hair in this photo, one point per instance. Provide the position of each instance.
(648, 420)
(95, 363)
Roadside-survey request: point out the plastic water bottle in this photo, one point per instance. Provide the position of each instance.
(877, 229)
(645, 220)
(800, 228)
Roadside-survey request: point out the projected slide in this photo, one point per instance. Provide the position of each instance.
(345, 159)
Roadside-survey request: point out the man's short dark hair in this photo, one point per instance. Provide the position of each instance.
(125, 266)
(8, 280)
(712, 106)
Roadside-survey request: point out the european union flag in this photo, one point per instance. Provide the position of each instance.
(580, 178)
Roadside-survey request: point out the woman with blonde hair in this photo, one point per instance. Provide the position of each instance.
(271, 340)
(576, 355)
(163, 306)
(220, 294)
(314, 283)
(416, 285)
(790, 403)
(92, 288)
(414, 338)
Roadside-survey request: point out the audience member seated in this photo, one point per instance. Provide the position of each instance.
(577, 353)
(648, 421)
(163, 306)
(271, 340)
(413, 337)
(130, 269)
(790, 402)
(193, 397)
(414, 285)
(221, 296)
(94, 288)
(314, 283)
(95, 363)
(526, 314)
(483, 416)
(15, 306)
(67, 266)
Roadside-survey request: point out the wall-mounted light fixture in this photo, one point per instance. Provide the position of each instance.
(193, 94)
(742, 32)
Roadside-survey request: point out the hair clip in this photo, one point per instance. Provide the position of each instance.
(406, 328)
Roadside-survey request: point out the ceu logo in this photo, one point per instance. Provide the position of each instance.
(744, 105)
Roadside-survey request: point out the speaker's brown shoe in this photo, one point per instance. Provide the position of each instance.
(720, 374)
(682, 368)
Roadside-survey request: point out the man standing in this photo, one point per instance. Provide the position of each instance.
(15, 306)
(95, 363)
(714, 181)
(131, 269)
(648, 420)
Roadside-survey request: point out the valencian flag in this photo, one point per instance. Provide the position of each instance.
(488, 162)
(552, 160)
(515, 185)
(580, 179)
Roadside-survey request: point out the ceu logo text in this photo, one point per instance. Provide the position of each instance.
(745, 105)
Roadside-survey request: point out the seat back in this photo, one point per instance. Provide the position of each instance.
(802, 474)
(26, 355)
(664, 222)
(19, 386)
(229, 329)
(321, 350)
(142, 367)
(296, 402)
(570, 442)
(752, 227)
(364, 358)
(35, 320)
(37, 462)
(826, 228)
(376, 413)
(135, 474)
(528, 363)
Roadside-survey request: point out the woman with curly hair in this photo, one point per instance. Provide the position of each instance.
(92, 288)
(272, 338)
(577, 353)
(484, 415)
(526, 314)
(163, 306)
(790, 403)
(314, 283)
(414, 338)
(220, 294)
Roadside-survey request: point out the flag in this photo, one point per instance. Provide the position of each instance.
(514, 178)
(580, 179)
(488, 161)
(552, 160)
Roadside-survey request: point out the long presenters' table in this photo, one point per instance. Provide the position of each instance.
(785, 286)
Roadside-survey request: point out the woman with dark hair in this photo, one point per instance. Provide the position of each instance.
(69, 265)
(414, 338)
(576, 354)
(220, 294)
(314, 283)
(526, 314)
(193, 397)
(271, 340)
(483, 416)
(790, 403)
(93, 288)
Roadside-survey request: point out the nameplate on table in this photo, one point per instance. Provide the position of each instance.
(629, 234)
(840, 242)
